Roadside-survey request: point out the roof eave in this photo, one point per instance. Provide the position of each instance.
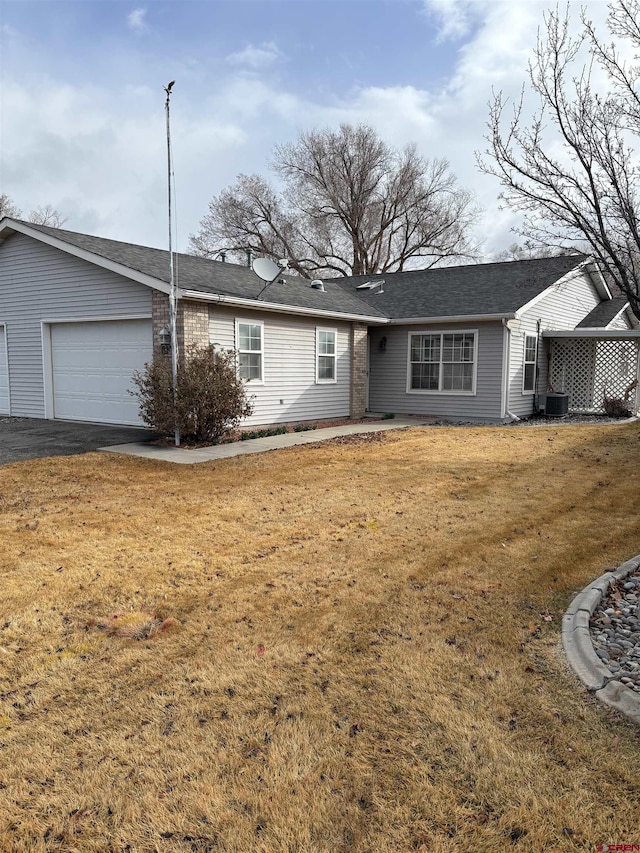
(453, 318)
(12, 226)
(578, 267)
(620, 312)
(277, 307)
(598, 279)
(610, 334)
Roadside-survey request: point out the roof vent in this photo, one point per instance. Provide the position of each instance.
(369, 285)
(318, 284)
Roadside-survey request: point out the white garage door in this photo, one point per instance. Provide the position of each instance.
(4, 373)
(92, 365)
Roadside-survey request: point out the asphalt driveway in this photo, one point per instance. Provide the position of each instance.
(32, 438)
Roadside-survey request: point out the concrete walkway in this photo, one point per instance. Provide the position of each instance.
(260, 445)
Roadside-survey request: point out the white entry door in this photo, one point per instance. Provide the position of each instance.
(4, 373)
(92, 365)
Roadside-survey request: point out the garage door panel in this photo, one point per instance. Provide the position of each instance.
(4, 374)
(92, 365)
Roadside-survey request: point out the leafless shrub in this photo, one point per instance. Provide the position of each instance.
(616, 408)
(210, 399)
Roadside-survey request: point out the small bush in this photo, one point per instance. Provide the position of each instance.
(304, 427)
(211, 397)
(262, 433)
(388, 416)
(616, 408)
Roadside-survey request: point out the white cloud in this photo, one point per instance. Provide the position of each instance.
(254, 57)
(98, 153)
(136, 19)
(455, 17)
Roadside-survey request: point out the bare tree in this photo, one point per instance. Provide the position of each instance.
(8, 207)
(572, 168)
(528, 250)
(47, 215)
(350, 205)
(42, 215)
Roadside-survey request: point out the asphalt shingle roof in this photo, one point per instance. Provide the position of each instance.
(207, 276)
(498, 288)
(479, 289)
(603, 313)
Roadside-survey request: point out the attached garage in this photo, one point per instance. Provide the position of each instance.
(92, 363)
(4, 373)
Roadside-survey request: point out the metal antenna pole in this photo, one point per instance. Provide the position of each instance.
(172, 283)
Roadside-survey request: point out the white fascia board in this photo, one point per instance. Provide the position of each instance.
(93, 319)
(200, 296)
(83, 254)
(621, 311)
(604, 334)
(579, 268)
(598, 279)
(455, 318)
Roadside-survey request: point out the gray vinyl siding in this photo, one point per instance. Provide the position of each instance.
(388, 375)
(563, 307)
(39, 282)
(4, 374)
(620, 322)
(290, 392)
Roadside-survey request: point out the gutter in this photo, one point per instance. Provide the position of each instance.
(603, 334)
(454, 318)
(200, 296)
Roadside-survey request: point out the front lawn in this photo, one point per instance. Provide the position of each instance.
(366, 658)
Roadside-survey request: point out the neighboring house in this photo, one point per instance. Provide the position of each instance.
(78, 314)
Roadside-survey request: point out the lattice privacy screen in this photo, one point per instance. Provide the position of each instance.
(588, 369)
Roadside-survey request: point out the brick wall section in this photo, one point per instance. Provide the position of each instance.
(192, 321)
(160, 317)
(193, 324)
(358, 404)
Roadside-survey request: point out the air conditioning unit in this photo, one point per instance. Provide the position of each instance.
(556, 405)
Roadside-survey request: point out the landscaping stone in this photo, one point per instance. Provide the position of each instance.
(601, 638)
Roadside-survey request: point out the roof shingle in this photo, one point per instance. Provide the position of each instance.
(207, 276)
(496, 288)
(471, 290)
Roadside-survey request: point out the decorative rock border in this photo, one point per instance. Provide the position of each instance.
(578, 646)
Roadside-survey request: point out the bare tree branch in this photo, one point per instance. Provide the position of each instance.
(8, 207)
(46, 215)
(571, 168)
(351, 204)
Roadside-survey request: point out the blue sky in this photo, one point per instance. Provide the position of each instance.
(82, 105)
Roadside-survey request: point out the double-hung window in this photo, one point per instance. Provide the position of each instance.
(529, 367)
(326, 355)
(250, 346)
(442, 362)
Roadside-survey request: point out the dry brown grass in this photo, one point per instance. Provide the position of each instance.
(364, 658)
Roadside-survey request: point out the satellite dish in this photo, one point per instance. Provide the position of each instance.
(265, 268)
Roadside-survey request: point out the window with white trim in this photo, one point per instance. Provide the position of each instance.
(442, 362)
(326, 340)
(249, 343)
(529, 366)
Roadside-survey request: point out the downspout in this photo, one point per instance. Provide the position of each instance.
(506, 362)
(536, 372)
